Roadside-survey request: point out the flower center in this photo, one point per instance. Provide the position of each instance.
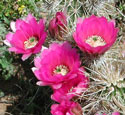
(61, 69)
(95, 41)
(30, 43)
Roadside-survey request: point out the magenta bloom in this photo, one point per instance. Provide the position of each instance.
(56, 65)
(95, 35)
(66, 108)
(28, 36)
(71, 88)
(57, 26)
(114, 113)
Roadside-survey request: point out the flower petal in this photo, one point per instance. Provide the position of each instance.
(26, 56)
(13, 26)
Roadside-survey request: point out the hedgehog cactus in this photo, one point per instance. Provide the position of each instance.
(59, 65)
(107, 76)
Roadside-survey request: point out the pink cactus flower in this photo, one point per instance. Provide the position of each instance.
(56, 65)
(66, 108)
(27, 37)
(95, 35)
(57, 26)
(114, 113)
(71, 88)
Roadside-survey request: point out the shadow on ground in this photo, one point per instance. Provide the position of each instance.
(21, 94)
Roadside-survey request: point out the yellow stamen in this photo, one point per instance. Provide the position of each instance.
(61, 69)
(95, 41)
(30, 43)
